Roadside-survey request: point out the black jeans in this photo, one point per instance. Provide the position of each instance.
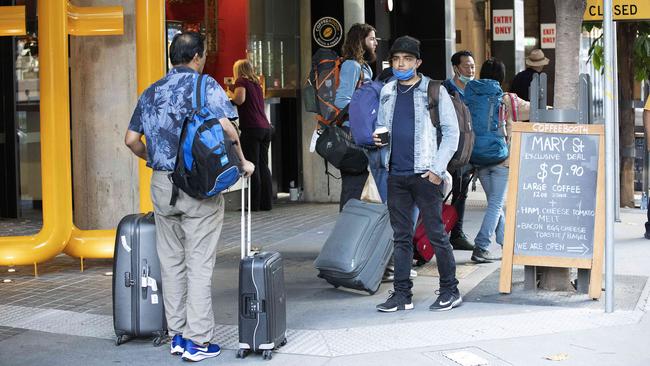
(459, 190)
(351, 187)
(403, 191)
(255, 146)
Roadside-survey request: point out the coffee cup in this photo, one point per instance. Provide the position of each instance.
(383, 134)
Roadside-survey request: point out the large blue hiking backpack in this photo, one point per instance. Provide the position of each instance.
(483, 98)
(207, 162)
(363, 109)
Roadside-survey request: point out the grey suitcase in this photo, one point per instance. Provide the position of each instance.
(137, 287)
(359, 247)
(262, 298)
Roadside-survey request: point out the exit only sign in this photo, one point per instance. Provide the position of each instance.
(621, 10)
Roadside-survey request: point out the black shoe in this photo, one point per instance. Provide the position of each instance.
(646, 235)
(484, 256)
(460, 242)
(395, 301)
(446, 301)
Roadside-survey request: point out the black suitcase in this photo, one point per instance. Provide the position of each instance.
(137, 287)
(262, 299)
(359, 247)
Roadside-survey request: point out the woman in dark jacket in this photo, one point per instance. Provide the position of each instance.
(255, 132)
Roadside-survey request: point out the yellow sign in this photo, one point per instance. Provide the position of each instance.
(621, 10)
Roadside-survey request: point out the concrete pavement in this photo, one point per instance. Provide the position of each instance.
(339, 327)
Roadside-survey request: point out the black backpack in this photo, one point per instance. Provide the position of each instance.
(207, 162)
(466, 132)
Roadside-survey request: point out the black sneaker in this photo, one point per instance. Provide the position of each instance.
(646, 235)
(484, 256)
(460, 242)
(395, 302)
(446, 300)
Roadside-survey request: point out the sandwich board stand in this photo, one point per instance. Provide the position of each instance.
(555, 213)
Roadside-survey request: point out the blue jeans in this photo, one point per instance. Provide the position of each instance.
(403, 193)
(494, 180)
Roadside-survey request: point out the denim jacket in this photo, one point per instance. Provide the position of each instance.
(427, 155)
(348, 80)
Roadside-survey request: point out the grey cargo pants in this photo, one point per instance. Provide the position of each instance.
(187, 236)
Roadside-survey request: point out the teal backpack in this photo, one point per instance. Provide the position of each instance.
(483, 98)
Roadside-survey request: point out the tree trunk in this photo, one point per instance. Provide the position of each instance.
(568, 25)
(626, 33)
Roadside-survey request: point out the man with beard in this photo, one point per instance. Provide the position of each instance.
(358, 51)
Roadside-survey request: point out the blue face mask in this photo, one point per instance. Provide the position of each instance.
(404, 75)
(465, 79)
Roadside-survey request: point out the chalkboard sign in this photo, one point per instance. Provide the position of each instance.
(555, 203)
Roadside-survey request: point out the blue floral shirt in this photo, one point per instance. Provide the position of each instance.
(162, 108)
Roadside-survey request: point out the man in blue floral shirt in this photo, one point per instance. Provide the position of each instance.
(186, 233)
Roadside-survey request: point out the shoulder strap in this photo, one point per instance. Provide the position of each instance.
(198, 98)
(433, 96)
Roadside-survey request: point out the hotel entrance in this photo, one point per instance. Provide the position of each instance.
(265, 32)
(20, 154)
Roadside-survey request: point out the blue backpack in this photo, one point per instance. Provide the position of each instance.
(483, 98)
(207, 162)
(363, 109)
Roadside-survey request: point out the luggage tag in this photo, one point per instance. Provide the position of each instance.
(154, 299)
(312, 144)
(152, 283)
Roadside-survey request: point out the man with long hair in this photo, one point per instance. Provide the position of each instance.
(358, 51)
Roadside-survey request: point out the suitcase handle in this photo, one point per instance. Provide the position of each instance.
(128, 281)
(144, 278)
(245, 219)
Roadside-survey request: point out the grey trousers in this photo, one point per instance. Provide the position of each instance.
(187, 236)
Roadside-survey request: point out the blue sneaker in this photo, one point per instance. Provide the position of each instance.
(195, 352)
(178, 345)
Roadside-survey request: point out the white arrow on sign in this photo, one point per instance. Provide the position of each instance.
(582, 249)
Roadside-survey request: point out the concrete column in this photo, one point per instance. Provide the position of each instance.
(103, 96)
(314, 182)
(353, 12)
(450, 35)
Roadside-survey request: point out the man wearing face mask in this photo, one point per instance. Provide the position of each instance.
(416, 164)
(464, 71)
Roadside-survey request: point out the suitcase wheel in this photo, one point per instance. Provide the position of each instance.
(158, 341)
(267, 355)
(120, 339)
(333, 284)
(242, 353)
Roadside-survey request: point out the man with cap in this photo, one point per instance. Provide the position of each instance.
(416, 165)
(535, 63)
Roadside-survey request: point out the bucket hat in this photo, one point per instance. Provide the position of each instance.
(536, 58)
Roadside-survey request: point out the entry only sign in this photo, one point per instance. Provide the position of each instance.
(621, 10)
(503, 25)
(555, 213)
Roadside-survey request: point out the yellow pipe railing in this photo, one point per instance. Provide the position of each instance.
(95, 21)
(150, 56)
(12, 21)
(55, 146)
(55, 134)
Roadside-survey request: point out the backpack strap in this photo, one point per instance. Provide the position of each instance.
(433, 96)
